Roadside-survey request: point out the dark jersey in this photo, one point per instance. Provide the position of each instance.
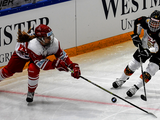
(150, 40)
(143, 21)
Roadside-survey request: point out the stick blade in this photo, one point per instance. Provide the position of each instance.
(143, 98)
(152, 114)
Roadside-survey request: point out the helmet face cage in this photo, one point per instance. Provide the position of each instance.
(154, 24)
(52, 38)
(51, 35)
(41, 39)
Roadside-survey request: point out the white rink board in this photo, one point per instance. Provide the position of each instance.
(62, 22)
(75, 22)
(92, 24)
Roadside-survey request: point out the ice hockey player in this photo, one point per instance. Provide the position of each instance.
(149, 50)
(35, 49)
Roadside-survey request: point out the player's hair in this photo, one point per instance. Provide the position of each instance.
(24, 36)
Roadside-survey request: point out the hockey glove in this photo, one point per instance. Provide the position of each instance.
(144, 52)
(60, 65)
(136, 40)
(76, 70)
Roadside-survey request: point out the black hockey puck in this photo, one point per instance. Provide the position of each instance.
(114, 99)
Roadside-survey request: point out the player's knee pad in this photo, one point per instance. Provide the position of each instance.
(33, 70)
(128, 71)
(146, 76)
(134, 65)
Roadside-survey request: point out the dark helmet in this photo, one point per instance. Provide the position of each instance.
(154, 23)
(42, 31)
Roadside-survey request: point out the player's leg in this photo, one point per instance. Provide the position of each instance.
(33, 77)
(150, 71)
(133, 65)
(15, 64)
(128, 71)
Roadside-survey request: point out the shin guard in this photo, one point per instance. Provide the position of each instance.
(33, 77)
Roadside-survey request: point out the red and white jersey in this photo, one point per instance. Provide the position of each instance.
(34, 51)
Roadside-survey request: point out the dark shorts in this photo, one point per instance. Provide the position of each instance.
(153, 58)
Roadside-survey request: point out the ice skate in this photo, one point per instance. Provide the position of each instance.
(132, 91)
(30, 96)
(118, 83)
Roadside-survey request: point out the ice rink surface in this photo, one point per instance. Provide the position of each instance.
(61, 97)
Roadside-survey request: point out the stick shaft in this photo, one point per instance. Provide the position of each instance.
(142, 74)
(114, 94)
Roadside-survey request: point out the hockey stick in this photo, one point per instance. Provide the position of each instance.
(115, 95)
(143, 97)
(118, 96)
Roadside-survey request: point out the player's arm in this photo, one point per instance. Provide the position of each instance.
(138, 23)
(61, 54)
(46, 64)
